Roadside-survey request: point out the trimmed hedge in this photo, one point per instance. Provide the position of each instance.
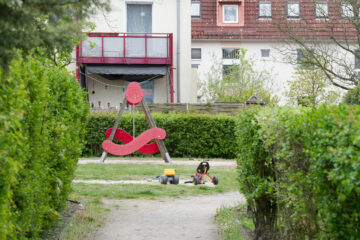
(188, 134)
(309, 171)
(42, 116)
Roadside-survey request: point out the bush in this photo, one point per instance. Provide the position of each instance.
(42, 116)
(188, 134)
(353, 96)
(313, 157)
(255, 173)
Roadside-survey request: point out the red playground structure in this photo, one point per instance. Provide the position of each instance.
(134, 96)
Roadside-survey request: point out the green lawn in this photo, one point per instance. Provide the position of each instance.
(154, 158)
(226, 175)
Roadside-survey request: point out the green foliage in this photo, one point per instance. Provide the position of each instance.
(237, 82)
(353, 96)
(49, 25)
(234, 222)
(256, 177)
(42, 116)
(314, 160)
(310, 87)
(187, 134)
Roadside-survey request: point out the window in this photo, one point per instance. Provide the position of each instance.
(230, 53)
(300, 56)
(265, 53)
(293, 10)
(321, 10)
(357, 59)
(304, 56)
(196, 53)
(230, 13)
(139, 18)
(195, 10)
(264, 9)
(347, 10)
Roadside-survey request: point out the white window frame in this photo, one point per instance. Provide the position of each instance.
(237, 13)
(287, 10)
(199, 4)
(263, 16)
(347, 8)
(317, 4)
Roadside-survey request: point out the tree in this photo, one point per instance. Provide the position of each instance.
(50, 27)
(328, 34)
(310, 86)
(236, 82)
(353, 96)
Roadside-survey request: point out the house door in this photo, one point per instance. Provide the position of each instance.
(139, 18)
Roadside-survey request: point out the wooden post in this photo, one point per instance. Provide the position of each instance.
(163, 151)
(113, 131)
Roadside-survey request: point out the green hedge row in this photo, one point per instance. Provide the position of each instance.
(300, 171)
(42, 116)
(187, 134)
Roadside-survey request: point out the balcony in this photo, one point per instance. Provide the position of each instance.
(126, 48)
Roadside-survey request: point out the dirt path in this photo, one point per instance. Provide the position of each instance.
(147, 182)
(179, 219)
(159, 162)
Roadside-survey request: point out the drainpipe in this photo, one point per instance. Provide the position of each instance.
(178, 51)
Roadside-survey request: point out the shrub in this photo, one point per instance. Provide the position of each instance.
(255, 174)
(188, 134)
(43, 111)
(313, 155)
(353, 96)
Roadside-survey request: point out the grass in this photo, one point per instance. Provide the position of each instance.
(86, 220)
(234, 223)
(226, 175)
(154, 158)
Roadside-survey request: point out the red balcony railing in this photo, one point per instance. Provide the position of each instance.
(126, 48)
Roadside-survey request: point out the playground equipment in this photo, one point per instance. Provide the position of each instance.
(202, 170)
(135, 96)
(169, 177)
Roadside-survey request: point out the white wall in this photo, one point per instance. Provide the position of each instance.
(277, 62)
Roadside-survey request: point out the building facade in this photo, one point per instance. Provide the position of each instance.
(221, 27)
(147, 41)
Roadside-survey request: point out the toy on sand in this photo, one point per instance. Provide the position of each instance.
(203, 169)
(169, 177)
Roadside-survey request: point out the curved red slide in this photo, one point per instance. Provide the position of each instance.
(125, 137)
(134, 145)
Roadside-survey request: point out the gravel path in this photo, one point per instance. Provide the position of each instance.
(159, 162)
(179, 219)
